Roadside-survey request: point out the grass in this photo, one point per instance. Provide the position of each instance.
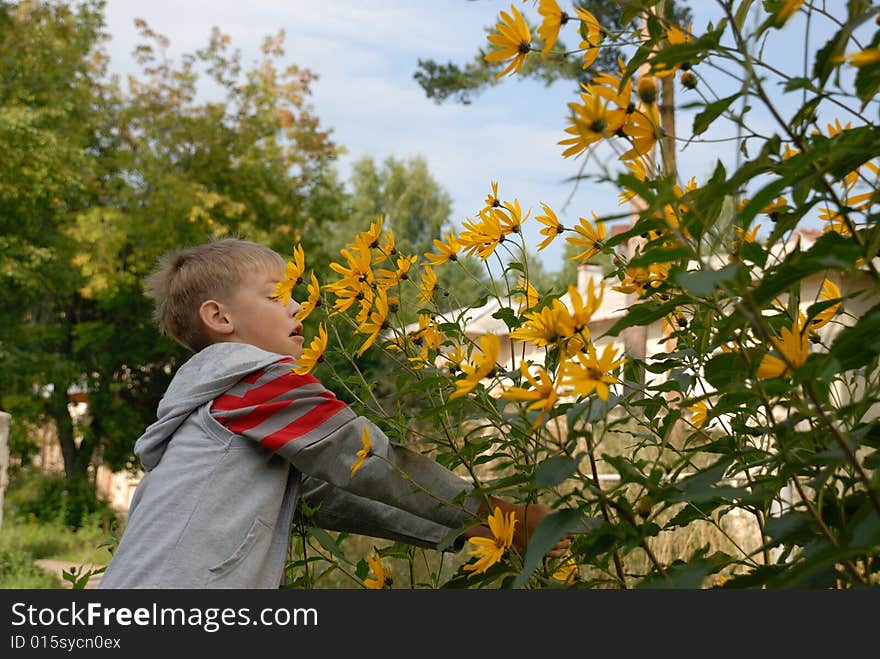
(23, 541)
(18, 570)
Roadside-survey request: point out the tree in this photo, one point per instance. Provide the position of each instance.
(98, 180)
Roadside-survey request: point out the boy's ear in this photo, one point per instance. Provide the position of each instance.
(215, 317)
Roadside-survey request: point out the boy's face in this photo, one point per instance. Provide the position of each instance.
(261, 320)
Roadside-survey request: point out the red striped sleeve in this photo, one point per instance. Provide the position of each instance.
(263, 411)
(263, 393)
(304, 424)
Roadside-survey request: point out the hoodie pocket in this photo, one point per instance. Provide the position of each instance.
(246, 562)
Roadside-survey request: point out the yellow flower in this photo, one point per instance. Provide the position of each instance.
(746, 236)
(427, 286)
(591, 120)
(454, 358)
(313, 354)
(386, 249)
(775, 207)
(512, 40)
(836, 129)
(554, 19)
(699, 413)
(492, 199)
(789, 152)
(545, 327)
(364, 453)
(836, 222)
(512, 220)
(529, 296)
(787, 10)
(864, 57)
(638, 280)
(592, 373)
(376, 566)
(829, 292)
(591, 44)
(612, 87)
(482, 238)
(292, 276)
(567, 571)
(542, 393)
(446, 251)
(483, 366)
(552, 227)
(369, 239)
(587, 237)
(358, 268)
(491, 550)
(675, 36)
(313, 301)
(583, 312)
(388, 278)
(360, 293)
(376, 322)
(642, 129)
(793, 346)
(425, 340)
(637, 168)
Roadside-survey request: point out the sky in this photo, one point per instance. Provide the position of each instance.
(365, 52)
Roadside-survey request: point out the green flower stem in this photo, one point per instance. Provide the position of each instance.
(618, 564)
(842, 442)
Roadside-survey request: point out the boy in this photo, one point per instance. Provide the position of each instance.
(240, 438)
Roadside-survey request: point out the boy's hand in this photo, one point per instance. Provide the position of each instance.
(527, 520)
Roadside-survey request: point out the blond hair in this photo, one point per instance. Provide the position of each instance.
(184, 278)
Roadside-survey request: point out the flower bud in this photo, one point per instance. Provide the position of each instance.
(688, 80)
(647, 90)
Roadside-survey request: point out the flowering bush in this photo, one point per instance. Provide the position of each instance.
(753, 415)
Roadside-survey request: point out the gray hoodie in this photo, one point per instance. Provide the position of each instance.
(237, 440)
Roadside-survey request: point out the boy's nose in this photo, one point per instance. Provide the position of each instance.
(293, 307)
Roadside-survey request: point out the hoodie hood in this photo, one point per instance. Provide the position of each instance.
(202, 378)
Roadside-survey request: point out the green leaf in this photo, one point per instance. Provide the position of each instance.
(551, 529)
(831, 251)
(690, 575)
(703, 282)
(555, 470)
(725, 368)
(868, 77)
(693, 51)
(661, 255)
(644, 314)
(742, 12)
(835, 47)
(713, 110)
(702, 486)
(856, 346)
(509, 317)
(327, 543)
(695, 511)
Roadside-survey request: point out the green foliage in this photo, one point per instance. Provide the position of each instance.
(54, 498)
(99, 179)
(17, 570)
